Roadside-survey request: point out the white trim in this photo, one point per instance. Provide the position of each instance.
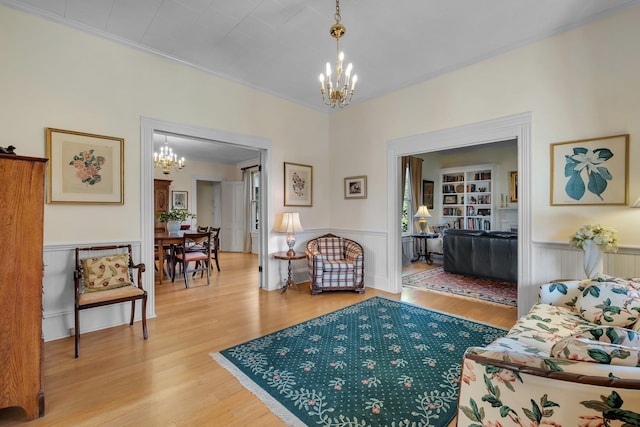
(516, 126)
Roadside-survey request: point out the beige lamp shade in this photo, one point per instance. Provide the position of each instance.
(423, 212)
(290, 223)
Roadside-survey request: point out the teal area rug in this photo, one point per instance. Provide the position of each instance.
(379, 362)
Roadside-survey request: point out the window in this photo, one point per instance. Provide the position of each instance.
(255, 199)
(407, 225)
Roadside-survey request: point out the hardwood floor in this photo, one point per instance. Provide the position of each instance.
(170, 379)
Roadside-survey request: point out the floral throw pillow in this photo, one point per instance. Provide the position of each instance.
(107, 272)
(607, 345)
(607, 303)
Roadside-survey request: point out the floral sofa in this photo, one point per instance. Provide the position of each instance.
(573, 360)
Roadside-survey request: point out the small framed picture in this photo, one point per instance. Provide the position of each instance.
(84, 168)
(355, 187)
(298, 184)
(179, 200)
(590, 171)
(427, 193)
(513, 186)
(450, 200)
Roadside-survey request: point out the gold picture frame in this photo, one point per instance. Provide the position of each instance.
(355, 187)
(298, 184)
(513, 186)
(591, 171)
(84, 168)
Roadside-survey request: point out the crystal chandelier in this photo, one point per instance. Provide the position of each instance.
(167, 159)
(337, 93)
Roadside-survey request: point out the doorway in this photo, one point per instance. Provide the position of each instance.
(148, 128)
(512, 127)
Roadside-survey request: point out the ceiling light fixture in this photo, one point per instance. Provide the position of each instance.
(340, 94)
(167, 159)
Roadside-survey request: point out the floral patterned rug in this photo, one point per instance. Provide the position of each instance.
(379, 362)
(438, 280)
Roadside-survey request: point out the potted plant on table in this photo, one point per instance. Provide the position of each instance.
(174, 217)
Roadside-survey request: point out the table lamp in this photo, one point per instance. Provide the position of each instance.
(423, 214)
(290, 224)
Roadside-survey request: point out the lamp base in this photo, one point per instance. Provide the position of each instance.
(291, 242)
(423, 225)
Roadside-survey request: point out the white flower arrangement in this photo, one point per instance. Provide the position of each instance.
(604, 237)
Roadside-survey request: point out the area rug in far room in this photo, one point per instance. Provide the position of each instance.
(379, 362)
(438, 280)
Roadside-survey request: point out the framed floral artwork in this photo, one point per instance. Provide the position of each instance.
(84, 168)
(590, 171)
(298, 184)
(355, 187)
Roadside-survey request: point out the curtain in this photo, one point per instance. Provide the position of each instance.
(415, 182)
(248, 186)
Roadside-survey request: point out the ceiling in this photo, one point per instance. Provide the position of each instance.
(281, 46)
(204, 150)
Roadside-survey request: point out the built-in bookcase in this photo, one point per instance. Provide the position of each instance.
(467, 197)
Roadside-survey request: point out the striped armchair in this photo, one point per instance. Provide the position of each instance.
(335, 264)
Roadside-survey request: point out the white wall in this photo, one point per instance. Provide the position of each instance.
(580, 84)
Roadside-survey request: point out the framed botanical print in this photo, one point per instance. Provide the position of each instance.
(298, 184)
(590, 171)
(84, 168)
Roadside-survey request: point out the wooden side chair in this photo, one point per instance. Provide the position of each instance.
(196, 248)
(215, 243)
(103, 275)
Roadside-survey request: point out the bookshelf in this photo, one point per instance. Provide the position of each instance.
(467, 197)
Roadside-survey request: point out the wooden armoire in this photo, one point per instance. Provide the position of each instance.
(21, 239)
(160, 200)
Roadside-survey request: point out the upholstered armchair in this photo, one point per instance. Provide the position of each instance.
(335, 264)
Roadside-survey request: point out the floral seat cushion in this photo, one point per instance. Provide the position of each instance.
(604, 344)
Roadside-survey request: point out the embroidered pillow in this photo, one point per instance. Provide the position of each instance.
(607, 345)
(607, 303)
(107, 272)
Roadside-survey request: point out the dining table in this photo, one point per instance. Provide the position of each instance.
(161, 239)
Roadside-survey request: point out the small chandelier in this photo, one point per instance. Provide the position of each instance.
(339, 93)
(167, 159)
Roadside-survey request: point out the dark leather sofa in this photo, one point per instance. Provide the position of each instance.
(493, 255)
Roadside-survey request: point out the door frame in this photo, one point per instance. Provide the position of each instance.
(510, 127)
(149, 126)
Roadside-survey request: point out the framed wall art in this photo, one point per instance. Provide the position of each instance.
(513, 186)
(450, 200)
(427, 193)
(298, 184)
(84, 168)
(590, 171)
(355, 187)
(179, 200)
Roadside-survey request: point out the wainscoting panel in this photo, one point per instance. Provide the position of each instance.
(58, 295)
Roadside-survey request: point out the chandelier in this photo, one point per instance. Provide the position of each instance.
(167, 159)
(337, 93)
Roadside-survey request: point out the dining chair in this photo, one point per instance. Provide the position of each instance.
(196, 248)
(215, 243)
(103, 275)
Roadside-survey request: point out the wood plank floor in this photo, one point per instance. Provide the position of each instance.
(170, 379)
